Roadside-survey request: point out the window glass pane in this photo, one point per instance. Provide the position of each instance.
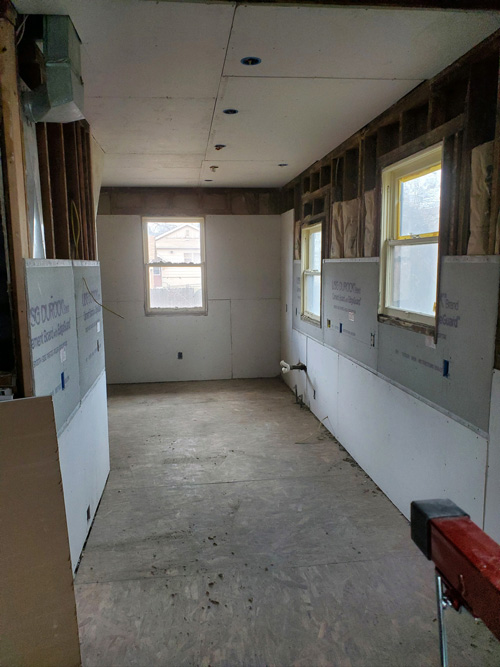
(414, 277)
(175, 287)
(312, 294)
(315, 251)
(419, 204)
(175, 242)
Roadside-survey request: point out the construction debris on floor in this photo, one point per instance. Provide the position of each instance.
(235, 530)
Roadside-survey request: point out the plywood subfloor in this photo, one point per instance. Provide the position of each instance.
(235, 531)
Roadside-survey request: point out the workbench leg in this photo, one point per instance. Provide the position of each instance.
(441, 606)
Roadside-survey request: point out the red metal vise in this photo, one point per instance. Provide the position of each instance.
(467, 563)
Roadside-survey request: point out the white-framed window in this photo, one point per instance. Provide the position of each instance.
(311, 272)
(174, 265)
(411, 199)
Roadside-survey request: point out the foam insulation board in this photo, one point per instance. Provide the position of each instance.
(298, 323)
(53, 335)
(37, 604)
(455, 374)
(350, 302)
(88, 297)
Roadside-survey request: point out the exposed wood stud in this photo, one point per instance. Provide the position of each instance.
(57, 165)
(15, 191)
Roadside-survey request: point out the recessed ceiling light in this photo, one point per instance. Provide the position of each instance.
(230, 112)
(250, 60)
(283, 164)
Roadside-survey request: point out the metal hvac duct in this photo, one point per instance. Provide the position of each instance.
(60, 99)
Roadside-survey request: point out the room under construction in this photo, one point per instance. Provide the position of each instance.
(250, 333)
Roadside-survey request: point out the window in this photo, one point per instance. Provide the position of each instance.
(410, 233)
(311, 273)
(174, 263)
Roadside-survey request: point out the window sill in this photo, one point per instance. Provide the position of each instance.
(175, 311)
(426, 329)
(309, 320)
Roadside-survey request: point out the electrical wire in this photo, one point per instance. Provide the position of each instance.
(20, 30)
(100, 304)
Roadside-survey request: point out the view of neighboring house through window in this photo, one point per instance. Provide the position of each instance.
(311, 272)
(410, 234)
(174, 251)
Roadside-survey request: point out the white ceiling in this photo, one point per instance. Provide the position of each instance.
(158, 75)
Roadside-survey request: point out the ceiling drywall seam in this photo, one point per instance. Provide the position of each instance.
(218, 91)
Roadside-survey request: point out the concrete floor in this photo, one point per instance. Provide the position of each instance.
(234, 530)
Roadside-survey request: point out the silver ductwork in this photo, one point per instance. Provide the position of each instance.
(60, 99)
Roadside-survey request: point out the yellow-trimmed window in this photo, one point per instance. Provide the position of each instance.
(411, 201)
(311, 272)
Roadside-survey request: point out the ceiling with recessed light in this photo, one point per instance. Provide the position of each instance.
(161, 76)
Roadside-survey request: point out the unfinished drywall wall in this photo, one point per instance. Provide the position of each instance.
(411, 448)
(67, 345)
(88, 297)
(350, 302)
(84, 458)
(53, 337)
(240, 335)
(456, 373)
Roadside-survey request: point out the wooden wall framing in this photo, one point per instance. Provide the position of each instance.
(67, 197)
(18, 238)
(461, 107)
(190, 202)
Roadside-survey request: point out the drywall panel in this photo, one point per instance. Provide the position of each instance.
(246, 173)
(53, 336)
(292, 120)
(152, 170)
(145, 349)
(351, 42)
(89, 329)
(455, 375)
(119, 240)
(411, 450)
(255, 338)
(492, 504)
(155, 125)
(322, 383)
(243, 267)
(350, 304)
(37, 604)
(84, 457)
(300, 324)
(243, 256)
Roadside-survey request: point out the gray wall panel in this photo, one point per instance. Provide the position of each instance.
(350, 302)
(297, 322)
(468, 313)
(53, 335)
(88, 322)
